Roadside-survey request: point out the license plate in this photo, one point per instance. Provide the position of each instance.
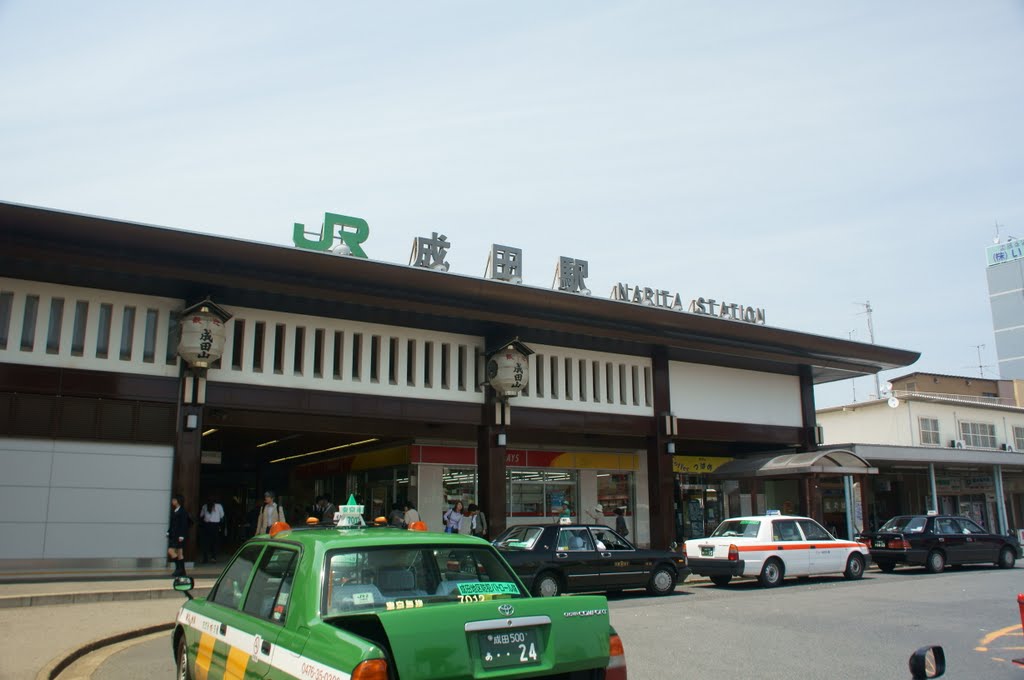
(707, 552)
(516, 647)
(879, 544)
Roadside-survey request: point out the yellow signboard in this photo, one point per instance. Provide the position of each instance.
(697, 465)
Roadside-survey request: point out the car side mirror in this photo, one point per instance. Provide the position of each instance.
(184, 584)
(927, 662)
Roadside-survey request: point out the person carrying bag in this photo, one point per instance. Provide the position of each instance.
(453, 518)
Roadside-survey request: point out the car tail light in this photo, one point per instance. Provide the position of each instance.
(372, 669)
(734, 553)
(898, 544)
(616, 669)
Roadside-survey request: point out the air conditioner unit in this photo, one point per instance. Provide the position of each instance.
(957, 444)
(1008, 447)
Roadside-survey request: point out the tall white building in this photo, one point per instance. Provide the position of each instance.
(1005, 273)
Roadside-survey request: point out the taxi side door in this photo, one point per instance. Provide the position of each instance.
(789, 544)
(266, 606)
(577, 558)
(221, 652)
(621, 565)
(824, 555)
(949, 537)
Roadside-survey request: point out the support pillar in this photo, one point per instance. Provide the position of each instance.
(185, 470)
(848, 495)
(932, 487)
(490, 465)
(997, 475)
(660, 483)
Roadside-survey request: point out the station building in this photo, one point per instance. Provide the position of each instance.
(328, 373)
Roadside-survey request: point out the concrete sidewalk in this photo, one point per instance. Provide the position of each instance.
(46, 622)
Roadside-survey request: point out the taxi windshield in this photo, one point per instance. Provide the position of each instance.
(746, 528)
(358, 580)
(907, 525)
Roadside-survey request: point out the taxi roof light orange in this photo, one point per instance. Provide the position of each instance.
(278, 527)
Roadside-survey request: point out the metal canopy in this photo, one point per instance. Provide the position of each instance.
(825, 462)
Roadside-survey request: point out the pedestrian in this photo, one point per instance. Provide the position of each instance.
(397, 516)
(177, 534)
(327, 509)
(411, 514)
(466, 523)
(211, 517)
(477, 521)
(453, 518)
(620, 521)
(270, 514)
(596, 514)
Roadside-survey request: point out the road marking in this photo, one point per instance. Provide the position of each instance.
(984, 642)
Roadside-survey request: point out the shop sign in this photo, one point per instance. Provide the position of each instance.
(461, 455)
(1013, 249)
(948, 485)
(978, 483)
(697, 465)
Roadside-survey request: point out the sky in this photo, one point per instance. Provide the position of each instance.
(801, 157)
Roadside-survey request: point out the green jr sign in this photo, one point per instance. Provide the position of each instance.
(352, 231)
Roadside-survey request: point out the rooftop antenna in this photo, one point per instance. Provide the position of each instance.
(996, 239)
(871, 335)
(853, 383)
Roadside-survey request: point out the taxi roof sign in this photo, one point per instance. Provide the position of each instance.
(350, 514)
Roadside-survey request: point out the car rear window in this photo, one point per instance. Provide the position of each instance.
(519, 538)
(905, 525)
(372, 579)
(746, 528)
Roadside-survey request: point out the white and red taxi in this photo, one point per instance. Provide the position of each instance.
(771, 547)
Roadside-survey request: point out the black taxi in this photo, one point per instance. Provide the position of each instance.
(935, 541)
(552, 559)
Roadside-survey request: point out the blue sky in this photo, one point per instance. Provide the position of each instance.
(795, 156)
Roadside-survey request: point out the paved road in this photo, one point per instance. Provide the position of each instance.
(819, 628)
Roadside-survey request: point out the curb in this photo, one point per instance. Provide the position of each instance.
(53, 669)
(12, 601)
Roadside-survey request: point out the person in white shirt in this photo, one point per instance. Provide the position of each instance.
(411, 514)
(211, 528)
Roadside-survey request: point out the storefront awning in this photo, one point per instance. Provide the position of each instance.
(823, 462)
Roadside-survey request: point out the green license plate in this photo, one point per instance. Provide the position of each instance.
(707, 552)
(515, 647)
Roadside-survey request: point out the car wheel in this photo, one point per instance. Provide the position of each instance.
(887, 567)
(1006, 559)
(182, 656)
(854, 568)
(547, 585)
(721, 579)
(771, 573)
(936, 562)
(663, 581)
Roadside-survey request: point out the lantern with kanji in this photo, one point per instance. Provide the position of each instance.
(507, 370)
(202, 334)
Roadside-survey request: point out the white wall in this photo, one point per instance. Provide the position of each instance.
(61, 499)
(877, 423)
(702, 392)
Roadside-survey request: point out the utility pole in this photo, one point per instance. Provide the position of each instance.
(871, 336)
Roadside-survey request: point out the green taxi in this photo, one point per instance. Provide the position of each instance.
(333, 603)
